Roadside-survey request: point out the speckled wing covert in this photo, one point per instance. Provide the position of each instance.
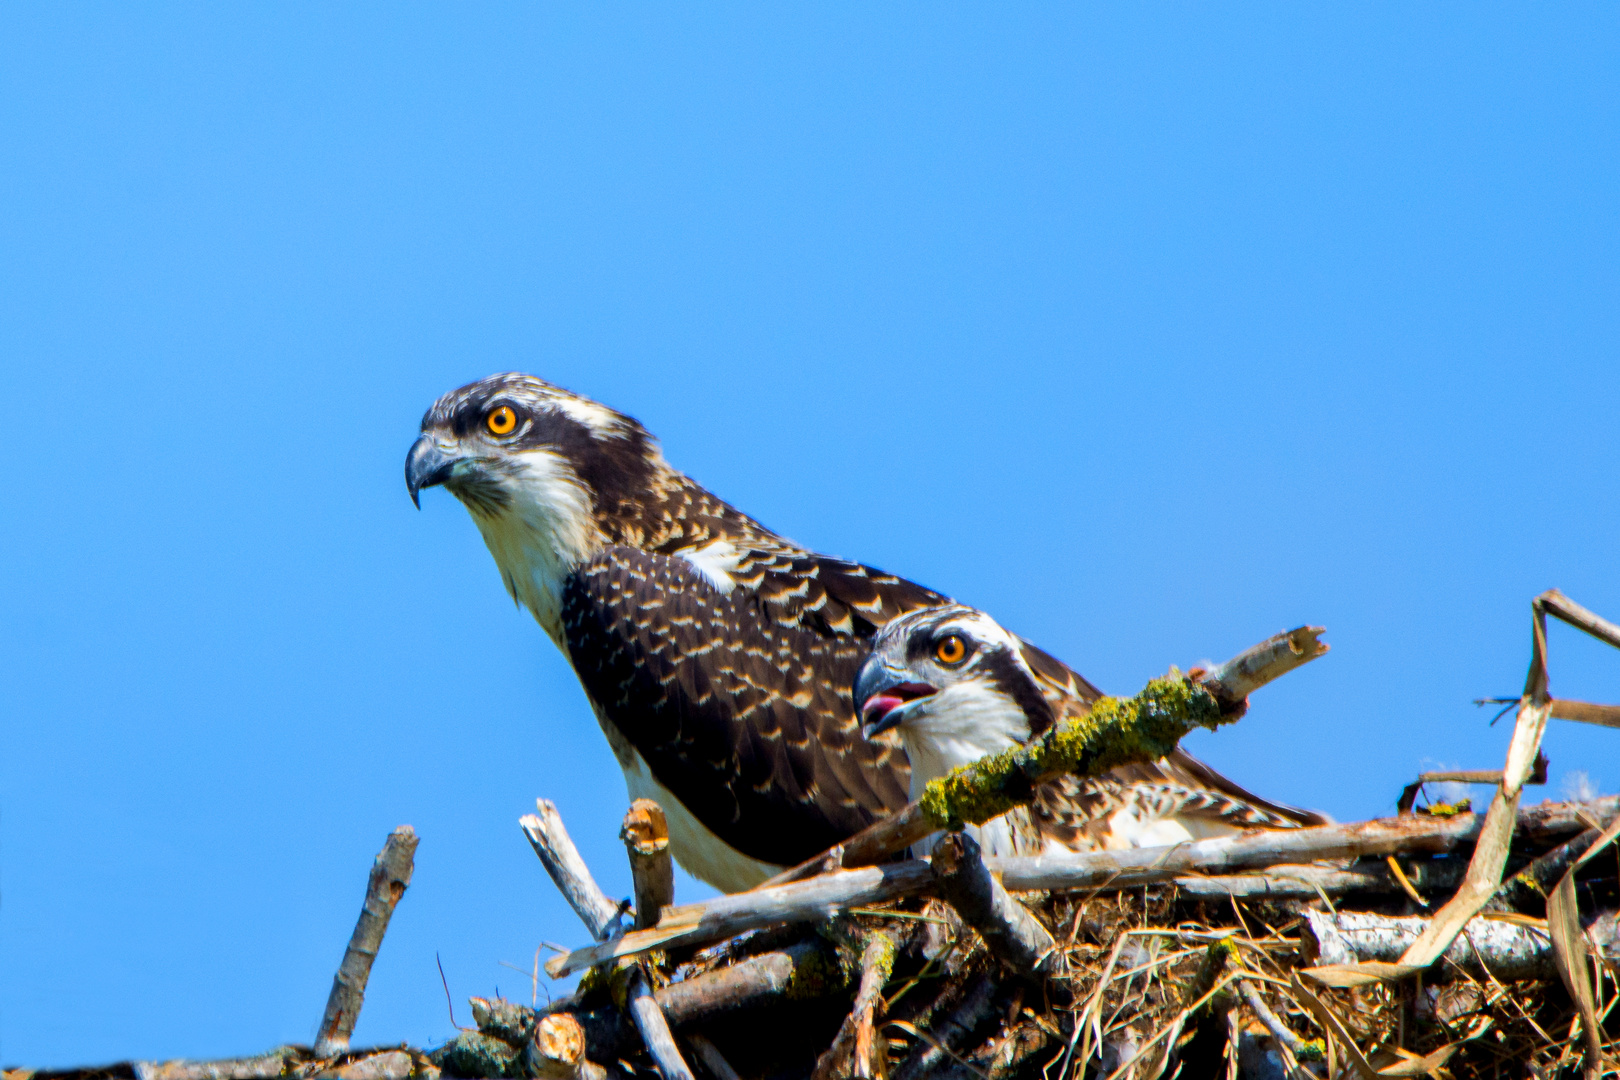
(740, 701)
(1075, 811)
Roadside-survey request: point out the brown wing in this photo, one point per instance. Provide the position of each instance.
(746, 718)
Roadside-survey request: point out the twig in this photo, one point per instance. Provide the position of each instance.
(449, 1002)
(1013, 935)
(1279, 1031)
(645, 833)
(649, 1018)
(390, 875)
(1154, 720)
(573, 878)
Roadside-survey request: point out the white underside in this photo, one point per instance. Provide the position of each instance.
(701, 853)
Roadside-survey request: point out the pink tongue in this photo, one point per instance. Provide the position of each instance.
(880, 705)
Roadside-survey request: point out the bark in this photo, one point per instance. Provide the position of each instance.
(568, 870)
(1012, 934)
(646, 837)
(390, 875)
(1510, 951)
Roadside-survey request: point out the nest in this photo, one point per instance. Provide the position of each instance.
(1438, 943)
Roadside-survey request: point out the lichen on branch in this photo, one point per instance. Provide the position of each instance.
(1115, 731)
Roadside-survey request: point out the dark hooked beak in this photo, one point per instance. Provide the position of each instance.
(425, 466)
(880, 692)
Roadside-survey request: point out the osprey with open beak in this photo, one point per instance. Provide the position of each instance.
(956, 687)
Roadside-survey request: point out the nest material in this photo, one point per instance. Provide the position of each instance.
(1150, 983)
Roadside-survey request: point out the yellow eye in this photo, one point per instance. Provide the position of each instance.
(501, 421)
(950, 650)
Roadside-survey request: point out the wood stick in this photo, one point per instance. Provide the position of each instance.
(1013, 935)
(1084, 746)
(979, 1005)
(1509, 950)
(1559, 606)
(712, 1058)
(557, 1051)
(853, 1052)
(1279, 1031)
(824, 896)
(568, 870)
(1233, 681)
(257, 1068)
(805, 971)
(726, 916)
(1307, 882)
(1586, 713)
(649, 1019)
(390, 875)
(646, 837)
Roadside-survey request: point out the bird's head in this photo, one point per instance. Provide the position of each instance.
(513, 442)
(949, 673)
(546, 475)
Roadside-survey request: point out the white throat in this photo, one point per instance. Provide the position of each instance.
(545, 530)
(958, 726)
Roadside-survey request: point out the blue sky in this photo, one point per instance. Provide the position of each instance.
(1151, 329)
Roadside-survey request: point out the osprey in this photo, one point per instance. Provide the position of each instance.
(956, 687)
(718, 657)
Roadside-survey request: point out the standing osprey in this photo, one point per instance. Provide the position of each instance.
(956, 687)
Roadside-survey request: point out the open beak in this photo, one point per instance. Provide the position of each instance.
(425, 466)
(882, 694)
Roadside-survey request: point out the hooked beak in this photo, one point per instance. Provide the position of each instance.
(425, 466)
(882, 693)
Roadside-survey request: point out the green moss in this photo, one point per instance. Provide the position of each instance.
(1312, 1050)
(1441, 809)
(821, 973)
(1116, 731)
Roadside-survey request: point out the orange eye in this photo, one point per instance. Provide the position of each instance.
(501, 421)
(950, 650)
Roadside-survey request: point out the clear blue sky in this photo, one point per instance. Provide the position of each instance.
(1153, 330)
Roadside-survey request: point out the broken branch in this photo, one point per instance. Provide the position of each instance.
(568, 870)
(1012, 934)
(646, 837)
(390, 875)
